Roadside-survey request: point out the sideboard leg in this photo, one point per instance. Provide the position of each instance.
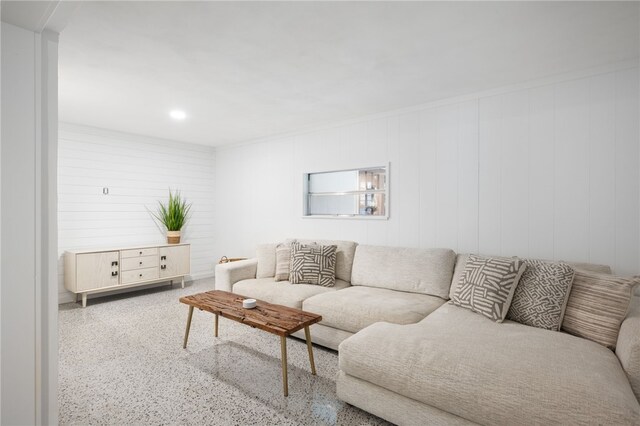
(183, 282)
(84, 300)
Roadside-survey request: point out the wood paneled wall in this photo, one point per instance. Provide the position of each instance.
(547, 171)
(138, 172)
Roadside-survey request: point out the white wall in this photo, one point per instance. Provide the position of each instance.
(28, 320)
(548, 170)
(138, 172)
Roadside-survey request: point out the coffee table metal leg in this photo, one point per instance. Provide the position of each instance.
(186, 333)
(307, 335)
(285, 383)
(216, 325)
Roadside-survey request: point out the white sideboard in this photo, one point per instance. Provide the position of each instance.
(95, 271)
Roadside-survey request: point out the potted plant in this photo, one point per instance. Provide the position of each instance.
(173, 216)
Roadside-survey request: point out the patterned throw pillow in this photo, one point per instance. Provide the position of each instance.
(283, 258)
(541, 296)
(597, 306)
(487, 285)
(313, 264)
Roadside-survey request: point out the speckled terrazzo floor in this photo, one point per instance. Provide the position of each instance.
(122, 362)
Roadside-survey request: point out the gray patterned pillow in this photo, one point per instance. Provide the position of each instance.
(283, 259)
(313, 264)
(487, 285)
(541, 296)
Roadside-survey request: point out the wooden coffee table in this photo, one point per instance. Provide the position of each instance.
(274, 319)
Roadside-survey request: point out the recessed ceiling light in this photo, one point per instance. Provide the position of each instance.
(176, 114)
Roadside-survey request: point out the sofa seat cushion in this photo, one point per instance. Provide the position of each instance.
(493, 373)
(355, 308)
(282, 292)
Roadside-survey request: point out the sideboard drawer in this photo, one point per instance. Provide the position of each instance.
(147, 274)
(140, 262)
(139, 252)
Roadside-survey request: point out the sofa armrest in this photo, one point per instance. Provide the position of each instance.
(628, 346)
(227, 274)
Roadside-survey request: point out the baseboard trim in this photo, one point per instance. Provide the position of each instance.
(200, 276)
(66, 297)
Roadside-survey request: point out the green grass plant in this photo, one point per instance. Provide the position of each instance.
(174, 214)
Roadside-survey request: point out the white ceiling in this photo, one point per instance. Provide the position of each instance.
(31, 15)
(38, 15)
(243, 70)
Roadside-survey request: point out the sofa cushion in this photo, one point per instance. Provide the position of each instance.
(266, 255)
(283, 259)
(328, 337)
(392, 407)
(357, 307)
(414, 270)
(312, 264)
(541, 296)
(487, 285)
(461, 261)
(493, 373)
(344, 255)
(597, 305)
(590, 267)
(282, 292)
(628, 347)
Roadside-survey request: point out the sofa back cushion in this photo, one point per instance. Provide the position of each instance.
(266, 255)
(426, 271)
(344, 255)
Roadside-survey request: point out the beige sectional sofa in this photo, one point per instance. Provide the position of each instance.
(408, 356)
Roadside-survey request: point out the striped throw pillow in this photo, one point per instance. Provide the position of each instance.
(283, 258)
(597, 305)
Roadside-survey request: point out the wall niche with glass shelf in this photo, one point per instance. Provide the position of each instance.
(361, 193)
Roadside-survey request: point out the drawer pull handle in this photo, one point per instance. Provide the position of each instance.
(163, 267)
(140, 274)
(141, 263)
(141, 253)
(114, 274)
(163, 257)
(114, 263)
